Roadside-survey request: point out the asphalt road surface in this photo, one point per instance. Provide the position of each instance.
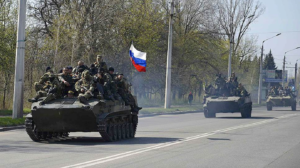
(268, 139)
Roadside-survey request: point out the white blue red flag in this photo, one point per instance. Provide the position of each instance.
(138, 59)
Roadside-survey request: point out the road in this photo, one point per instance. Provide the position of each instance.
(269, 139)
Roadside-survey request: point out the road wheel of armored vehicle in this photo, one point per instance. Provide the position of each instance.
(123, 134)
(246, 112)
(127, 130)
(269, 106)
(294, 106)
(32, 130)
(109, 137)
(209, 113)
(131, 131)
(119, 126)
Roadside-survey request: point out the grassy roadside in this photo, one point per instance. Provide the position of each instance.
(9, 112)
(259, 105)
(8, 121)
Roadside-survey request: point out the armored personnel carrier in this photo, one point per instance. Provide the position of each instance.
(281, 101)
(232, 104)
(112, 119)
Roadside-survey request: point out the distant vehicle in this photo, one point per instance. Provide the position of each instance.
(231, 104)
(281, 101)
(112, 119)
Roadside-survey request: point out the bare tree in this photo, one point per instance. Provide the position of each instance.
(235, 17)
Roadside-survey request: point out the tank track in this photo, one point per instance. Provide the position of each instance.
(118, 127)
(38, 136)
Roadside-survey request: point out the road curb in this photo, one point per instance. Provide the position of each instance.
(2, 129)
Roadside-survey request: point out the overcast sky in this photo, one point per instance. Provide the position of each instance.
(280, 16)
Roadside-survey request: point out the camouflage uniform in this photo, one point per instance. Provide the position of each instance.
(100, 65)
(272, 92)
(79, 70)
(220, 84)
(124, 92)
(41, 93)
(40, 84)
(114, 87)
(232, 77)
(54, 90)
(41, 87)
(242, 91)
(69, 78)
(87, 84)
(233, 86)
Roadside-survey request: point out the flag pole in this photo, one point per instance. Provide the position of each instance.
(131, 67)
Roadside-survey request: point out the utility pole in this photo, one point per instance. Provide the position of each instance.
(283, 71)
(260, 74)
(230, 56)
(169, 60)
(296, 69)
(19, 63)
(261, 69)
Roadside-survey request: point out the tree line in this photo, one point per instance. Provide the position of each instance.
(59, 33)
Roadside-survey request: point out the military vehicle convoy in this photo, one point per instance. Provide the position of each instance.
(281, 101)
(112, 119)
(231, 104)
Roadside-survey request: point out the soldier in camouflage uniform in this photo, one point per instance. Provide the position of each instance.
(124, 92)
(271, 91)
(104, 84)
(242, 91)
(232, 77)
(209, 91)
(40, 84)
(100, 63)
(41, 93)
(114, 87)
(233, 85)
(79, 69)
(220, 84)
(67, 81)
(85, 87)
(54, 89)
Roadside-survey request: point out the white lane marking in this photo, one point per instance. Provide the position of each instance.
(167, 144)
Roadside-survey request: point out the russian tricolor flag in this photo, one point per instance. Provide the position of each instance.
(138, 59)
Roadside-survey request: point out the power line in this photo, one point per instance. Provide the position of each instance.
(275, 32)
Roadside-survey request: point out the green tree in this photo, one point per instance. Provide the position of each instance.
(269, 63)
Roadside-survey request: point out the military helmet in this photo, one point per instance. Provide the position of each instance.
(99, 56)
(48, 68)
(111, 69)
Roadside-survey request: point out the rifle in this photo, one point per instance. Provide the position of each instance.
(85, 90)
(52, 90)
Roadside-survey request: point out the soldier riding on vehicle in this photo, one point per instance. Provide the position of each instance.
(85, 87)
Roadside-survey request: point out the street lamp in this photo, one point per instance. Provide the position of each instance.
(260, 67)
(283, 71)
